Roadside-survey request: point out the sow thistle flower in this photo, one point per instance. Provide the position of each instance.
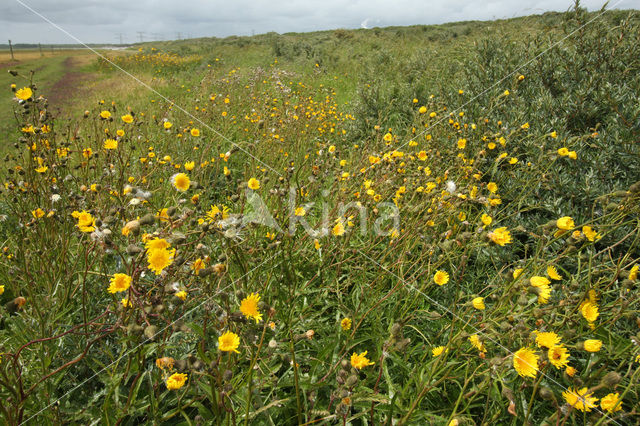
(180, 181)
(176, 381)
(229, 342)
(359, 361)
(500, 236)
(611, 403)
(558, 356)
(592, 345)
(525, 361)
(547, 339)
(589, 311)
(127, 118)
(24, 93)
(110, 144)
(345, 324)
(565, 223)
(477, 343)
(441, 277)
(552, 272)
(478, 303)
(254, 184)
(249, 307)
(159, 259)
(437, 351)
(86, 222)
(580, 399)
(119, 283)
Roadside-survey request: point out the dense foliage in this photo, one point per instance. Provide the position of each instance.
(328, 233)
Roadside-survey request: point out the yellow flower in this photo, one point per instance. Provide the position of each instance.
(128, 118)
(580, 399)
(119, 283)
(552, 272)
(332, 149)
(573, 155)
(181, 181)
(570, 371)
(163, 215)
(558, 356)
(462, 143)
(176, 381)
(590, 233)
(422, 109)
(553, 134)
(477, 343)
(197, 265)
(157, 244)
(86, 222)
(539, 281)
(167, 125)
(486, 219)
(126, 303)
(37, 213)
(437, 351)
(189, 165)
(182, 295)
(165, 362)
(441, 277)
(565, 223)
(517, 272)
(300, 211)
(544, 293)
(1, 289)
(525, 361)
(110, 144)
(159, 259)
(478, 303)
(611, 402)
(500, 236)
(338, 229)
(229, 342)
(589, 311)
(249, 307)
(492, 187)
(254, 184)
(360, 361)
(547, 339)
(87, 153)
(105, 114)
(345, 324)
(24, 93)
(633, 272)
(592, 345)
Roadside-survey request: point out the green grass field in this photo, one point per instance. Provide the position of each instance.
(407, 225)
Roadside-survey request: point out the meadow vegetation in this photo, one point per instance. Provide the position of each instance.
(412, 225)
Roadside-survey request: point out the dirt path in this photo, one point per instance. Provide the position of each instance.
(71, 86)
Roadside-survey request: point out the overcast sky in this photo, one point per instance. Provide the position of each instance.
(103, 21)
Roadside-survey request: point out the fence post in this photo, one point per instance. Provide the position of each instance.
(11, 50)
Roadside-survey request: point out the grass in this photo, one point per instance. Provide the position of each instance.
(157, 267)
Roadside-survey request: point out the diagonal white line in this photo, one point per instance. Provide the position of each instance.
(148, 340)
(146, 85)
(444, 308)
(523, 65)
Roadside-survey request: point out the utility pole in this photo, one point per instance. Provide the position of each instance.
(120, 37)
(141, 36)
(11, 50)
